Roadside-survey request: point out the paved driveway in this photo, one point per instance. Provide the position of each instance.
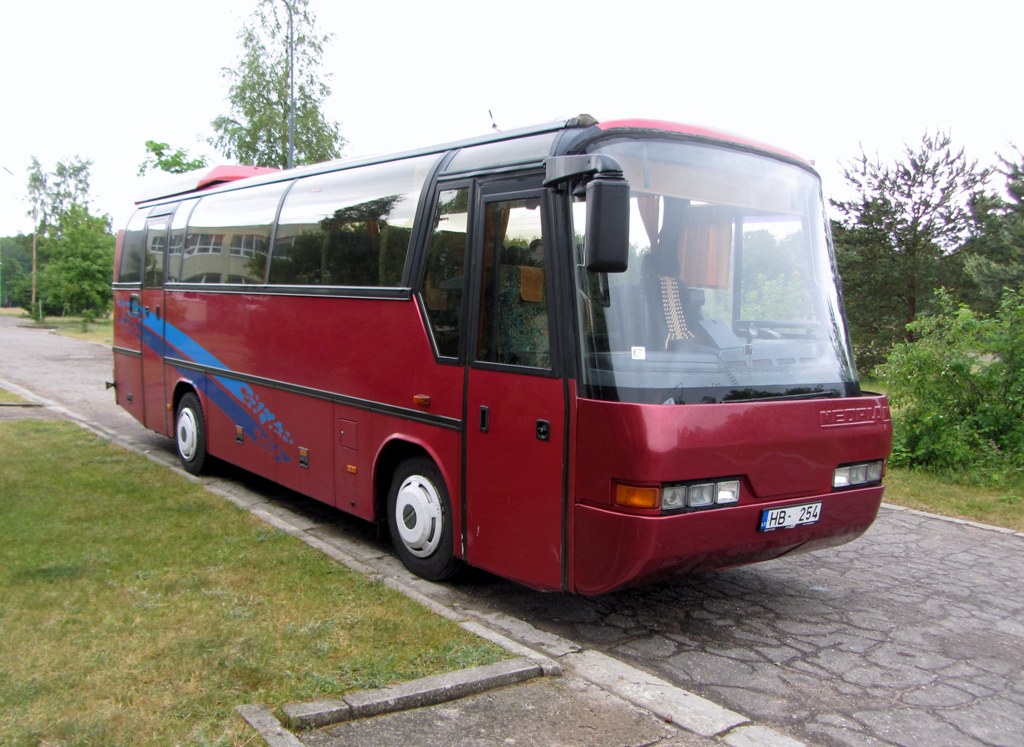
(912, 635)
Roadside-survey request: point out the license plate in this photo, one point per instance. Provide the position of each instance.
(789, 517)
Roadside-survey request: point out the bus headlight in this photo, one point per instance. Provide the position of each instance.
(727, 491)
(675, 497)
(700, 495)
(856, 475)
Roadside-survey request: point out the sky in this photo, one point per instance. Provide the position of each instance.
(823, 80)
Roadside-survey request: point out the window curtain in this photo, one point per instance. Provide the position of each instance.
(705, 248)
(650, 215)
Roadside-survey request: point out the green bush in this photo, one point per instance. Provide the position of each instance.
(958, 391)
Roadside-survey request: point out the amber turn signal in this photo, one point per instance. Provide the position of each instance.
(636, 496)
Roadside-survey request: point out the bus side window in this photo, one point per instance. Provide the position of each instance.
(176, 242)
(444, 280)
(156, 245)
(133, 250)
(351, 227)
(228, 235)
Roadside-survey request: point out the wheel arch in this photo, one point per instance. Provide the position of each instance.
(183, 387)
(393, 452)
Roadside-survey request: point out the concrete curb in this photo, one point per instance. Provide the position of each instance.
(267, 727)
(671, 704)
(416, 694)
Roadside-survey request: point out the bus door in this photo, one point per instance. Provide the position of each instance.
(515, 404)
(152, 326)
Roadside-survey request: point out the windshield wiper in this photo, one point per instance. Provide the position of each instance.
(745, 395)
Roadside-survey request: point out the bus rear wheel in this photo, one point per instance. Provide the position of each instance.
(190, 434)
(420, 520)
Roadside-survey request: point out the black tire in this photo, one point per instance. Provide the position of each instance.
(420, 520)
(190, 434)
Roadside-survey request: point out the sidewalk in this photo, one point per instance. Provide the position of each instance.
(541, 711)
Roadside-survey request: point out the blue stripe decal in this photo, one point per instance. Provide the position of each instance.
(234, 398)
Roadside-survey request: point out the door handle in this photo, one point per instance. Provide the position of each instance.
(485, 418)
(543, 430)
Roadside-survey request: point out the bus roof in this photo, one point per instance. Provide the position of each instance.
(585, 125)
(695, 131)
(200, 179)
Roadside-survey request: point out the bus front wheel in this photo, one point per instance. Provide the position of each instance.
(420, 520)
(190, 434)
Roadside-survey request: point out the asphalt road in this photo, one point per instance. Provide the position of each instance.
(912, 635)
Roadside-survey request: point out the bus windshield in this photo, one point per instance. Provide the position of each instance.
(731, 291)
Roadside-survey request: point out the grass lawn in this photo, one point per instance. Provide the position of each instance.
(101, 331)
(1002, 507)
(140, 609)
(7, 397)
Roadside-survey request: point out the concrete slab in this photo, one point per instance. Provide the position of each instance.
(554, 712)
(426, 691)
(654, 694)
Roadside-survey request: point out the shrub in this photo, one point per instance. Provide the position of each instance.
(958, 391)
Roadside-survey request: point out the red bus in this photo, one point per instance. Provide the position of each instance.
(581, 356)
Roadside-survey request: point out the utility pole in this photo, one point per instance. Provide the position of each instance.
(291, 82)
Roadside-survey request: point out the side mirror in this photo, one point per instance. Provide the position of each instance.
(607, 247)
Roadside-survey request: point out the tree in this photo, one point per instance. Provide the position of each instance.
(16, 253)
(37, 193)
(37, 197)
(50, 196)
(898, 240)
(53, 194)
(162, 158)
(72, 250)
(994, 257)
(76, 278)
(255, 131)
